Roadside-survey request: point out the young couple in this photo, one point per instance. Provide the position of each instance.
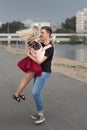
(36, 65)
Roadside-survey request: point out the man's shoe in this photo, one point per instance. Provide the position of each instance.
(35, 116)
(40, 120)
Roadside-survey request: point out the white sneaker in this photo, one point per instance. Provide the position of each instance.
(40, 119)
(35, 116)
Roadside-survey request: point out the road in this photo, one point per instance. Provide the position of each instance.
(65, 100)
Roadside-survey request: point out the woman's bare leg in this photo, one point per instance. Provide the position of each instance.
(26, 79)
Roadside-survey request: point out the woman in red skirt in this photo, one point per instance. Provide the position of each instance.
(27, 65)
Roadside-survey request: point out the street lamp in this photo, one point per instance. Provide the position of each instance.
(8, 27)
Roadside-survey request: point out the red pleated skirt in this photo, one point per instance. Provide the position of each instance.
(28, 65)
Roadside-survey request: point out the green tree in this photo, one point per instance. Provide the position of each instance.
(3, 29)
(69, 25)
(12, 27)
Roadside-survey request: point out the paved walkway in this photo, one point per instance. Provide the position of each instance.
(65, 100)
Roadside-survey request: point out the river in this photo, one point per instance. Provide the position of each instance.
(73, 52)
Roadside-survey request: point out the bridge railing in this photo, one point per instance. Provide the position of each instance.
(57, 36)
(6, 37)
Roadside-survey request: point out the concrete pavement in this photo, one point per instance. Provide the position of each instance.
(65, 100)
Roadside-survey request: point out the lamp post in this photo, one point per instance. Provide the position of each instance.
(8, 27)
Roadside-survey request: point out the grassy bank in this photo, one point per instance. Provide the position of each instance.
(71, 68)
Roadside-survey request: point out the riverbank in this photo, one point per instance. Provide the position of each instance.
(71, 68)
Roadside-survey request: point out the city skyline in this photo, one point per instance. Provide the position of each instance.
(54, 12)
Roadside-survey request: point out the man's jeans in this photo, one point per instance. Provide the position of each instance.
(38, 85)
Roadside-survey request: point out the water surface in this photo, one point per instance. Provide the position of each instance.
(73, 52)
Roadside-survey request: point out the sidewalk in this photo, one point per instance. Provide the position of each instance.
(65, 100)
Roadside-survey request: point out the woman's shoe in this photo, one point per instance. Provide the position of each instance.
(16, 98)
(22, 96)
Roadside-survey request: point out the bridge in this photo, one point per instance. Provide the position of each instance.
(66, 36)
(57, 36)
(6, 37)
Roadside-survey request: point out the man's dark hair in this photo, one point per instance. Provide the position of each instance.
(47, 28)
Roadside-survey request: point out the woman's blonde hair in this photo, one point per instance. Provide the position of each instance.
(53, 41)
(30, 34)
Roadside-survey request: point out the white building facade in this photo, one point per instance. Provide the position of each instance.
(81, 21)
(40, 24)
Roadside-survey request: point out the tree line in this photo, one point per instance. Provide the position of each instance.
(68, 26)
(12, 27)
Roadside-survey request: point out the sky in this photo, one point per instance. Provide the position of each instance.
(53, 11)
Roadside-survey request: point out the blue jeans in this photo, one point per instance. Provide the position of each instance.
(38, 85)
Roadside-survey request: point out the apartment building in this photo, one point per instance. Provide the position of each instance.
(81, 21)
